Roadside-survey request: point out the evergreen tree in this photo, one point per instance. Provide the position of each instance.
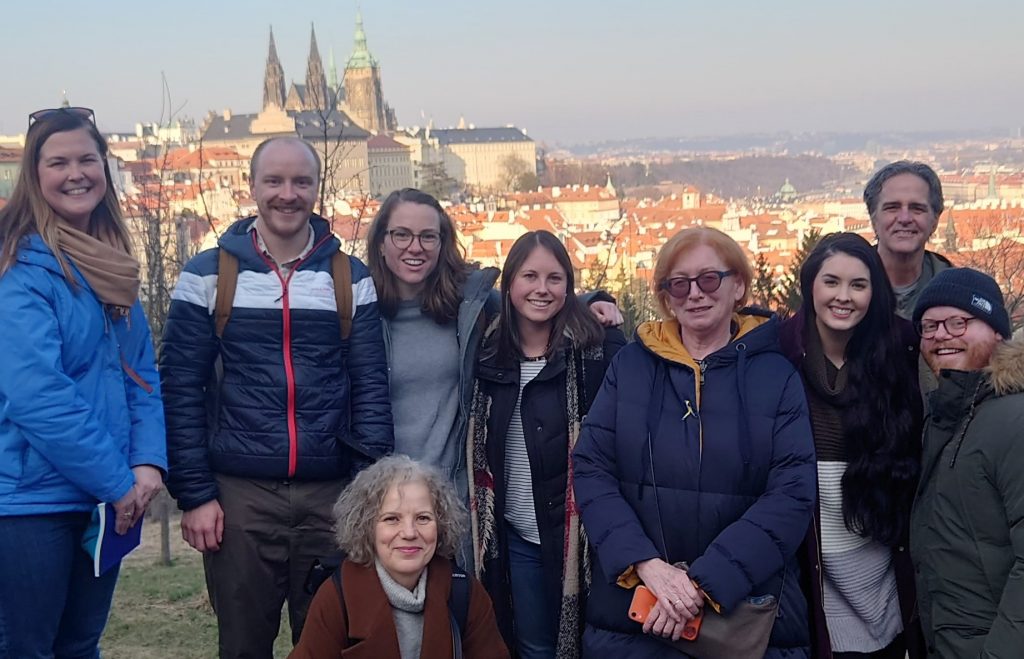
(787, 295)
(436, 182)
(762, 288)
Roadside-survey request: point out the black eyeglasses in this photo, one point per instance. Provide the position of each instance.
(709, 282)
(402, 238)
(955, 326)
(40, 115)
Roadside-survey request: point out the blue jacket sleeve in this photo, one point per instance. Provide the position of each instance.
(44, 403)
(366, 362)
(148, 439)
(612, 525)
(757, 545)
(187, 355)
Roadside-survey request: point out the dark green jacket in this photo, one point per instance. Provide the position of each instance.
(967, 527)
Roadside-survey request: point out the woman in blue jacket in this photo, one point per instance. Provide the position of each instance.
(697, 450)
(81, 420)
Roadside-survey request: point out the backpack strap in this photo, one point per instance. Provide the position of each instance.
(341, 273)
(227, 280)
(336, 579)
(458, 608)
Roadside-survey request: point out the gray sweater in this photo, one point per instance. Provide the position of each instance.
(424, 386)
(407, 608)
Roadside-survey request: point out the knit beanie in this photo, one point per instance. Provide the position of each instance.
(967, 289)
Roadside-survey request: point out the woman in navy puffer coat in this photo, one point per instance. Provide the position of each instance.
(698, 448)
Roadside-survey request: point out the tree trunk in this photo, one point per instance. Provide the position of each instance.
(163, 509)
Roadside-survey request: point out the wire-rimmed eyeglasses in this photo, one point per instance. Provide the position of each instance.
(402, 238)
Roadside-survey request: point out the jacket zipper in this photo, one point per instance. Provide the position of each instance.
(286, 342)
(701, 366)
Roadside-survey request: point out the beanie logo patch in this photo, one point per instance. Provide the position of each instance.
(979, 302)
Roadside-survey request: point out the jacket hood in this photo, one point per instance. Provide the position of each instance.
(1006, 370)
(34, 251)
(756, 331)
(479, 283)
(236, 239)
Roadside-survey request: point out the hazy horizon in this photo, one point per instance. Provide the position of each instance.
(569, 73)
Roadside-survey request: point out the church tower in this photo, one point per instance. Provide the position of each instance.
(951, 238)
(273, 79)
(364, 98)
(317, 96)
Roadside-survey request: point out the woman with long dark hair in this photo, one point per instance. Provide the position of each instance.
(858, 364)
(81, 421)
(540, 369)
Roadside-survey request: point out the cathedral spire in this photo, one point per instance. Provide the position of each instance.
(316, 83)
(951, 241)
(273, 79)
(361, 57)
(332, 71)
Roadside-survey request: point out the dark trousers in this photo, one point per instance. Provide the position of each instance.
(273, 531)
(536, 624)
(895, 650)
(50, 604)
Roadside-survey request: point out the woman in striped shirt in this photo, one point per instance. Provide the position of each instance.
(541, 366)
(858, 363)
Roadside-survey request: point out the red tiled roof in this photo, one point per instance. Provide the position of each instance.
(382, 142)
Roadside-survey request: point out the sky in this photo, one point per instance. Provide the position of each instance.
(568, 71)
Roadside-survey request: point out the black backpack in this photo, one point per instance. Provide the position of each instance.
(458, 596)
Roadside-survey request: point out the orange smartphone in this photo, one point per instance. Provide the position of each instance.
(692, 627)
(643, 602)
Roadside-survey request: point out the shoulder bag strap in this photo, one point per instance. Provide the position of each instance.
(341, 273)
(227, 280)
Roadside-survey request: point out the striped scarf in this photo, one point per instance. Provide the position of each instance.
(484, 522)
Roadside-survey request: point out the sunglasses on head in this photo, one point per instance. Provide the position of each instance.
(42, 115)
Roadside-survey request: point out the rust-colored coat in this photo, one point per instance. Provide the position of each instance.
(369, 630)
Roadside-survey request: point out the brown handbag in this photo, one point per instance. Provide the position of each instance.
(741, 634)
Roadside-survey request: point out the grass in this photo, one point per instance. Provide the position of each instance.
(162, 612)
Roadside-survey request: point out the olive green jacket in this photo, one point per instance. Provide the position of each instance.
(967, 526)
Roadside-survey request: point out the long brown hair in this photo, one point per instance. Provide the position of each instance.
(572, 319)
(443, 287)
(27, 211)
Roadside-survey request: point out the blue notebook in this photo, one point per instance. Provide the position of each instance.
(106, 547)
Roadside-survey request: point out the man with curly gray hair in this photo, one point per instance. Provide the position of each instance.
(399, 523)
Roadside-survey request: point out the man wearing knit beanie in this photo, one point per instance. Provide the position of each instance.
(967, 525)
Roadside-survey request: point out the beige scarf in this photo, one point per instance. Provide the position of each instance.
(111, 271)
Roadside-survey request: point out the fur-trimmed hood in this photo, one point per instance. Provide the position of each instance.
(1006, 370)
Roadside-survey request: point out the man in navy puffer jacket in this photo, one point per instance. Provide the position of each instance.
(297, 412)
